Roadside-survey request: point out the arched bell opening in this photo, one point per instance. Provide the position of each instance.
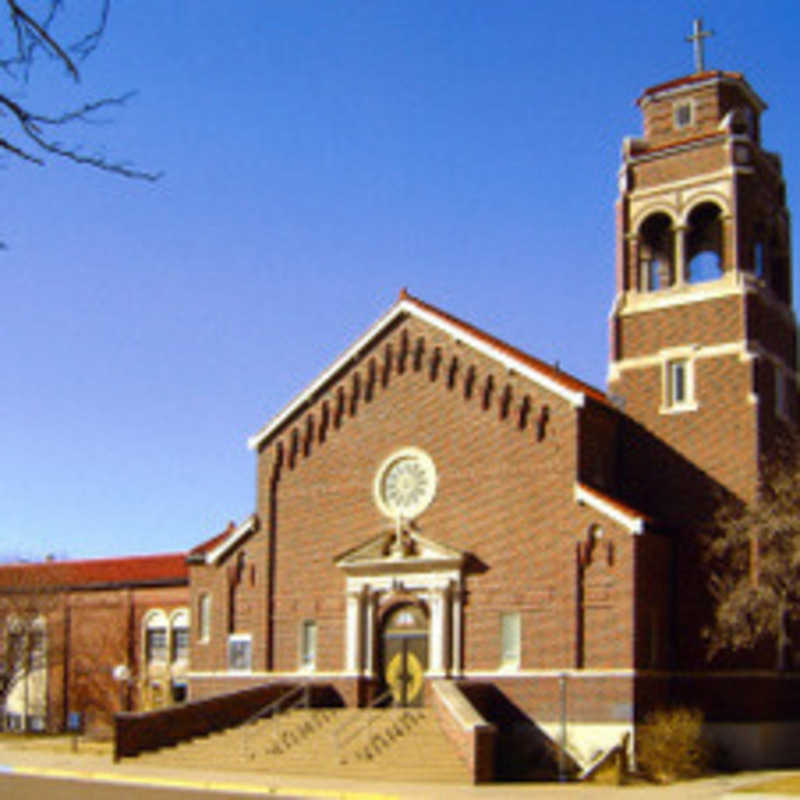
(656, 249)
(704, 244)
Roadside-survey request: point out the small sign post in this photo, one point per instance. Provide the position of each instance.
(75, 727)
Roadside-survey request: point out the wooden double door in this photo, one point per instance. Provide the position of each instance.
(404, 651)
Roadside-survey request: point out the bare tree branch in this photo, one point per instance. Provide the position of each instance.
(84, 47)
(32, 36)
(38, 33)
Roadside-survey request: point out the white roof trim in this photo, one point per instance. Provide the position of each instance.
(405, 306)
(634, 524)
(575, 398)
(231, 540)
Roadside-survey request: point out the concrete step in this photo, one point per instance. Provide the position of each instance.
(392, 744)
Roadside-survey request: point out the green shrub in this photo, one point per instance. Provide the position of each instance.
(670, 745)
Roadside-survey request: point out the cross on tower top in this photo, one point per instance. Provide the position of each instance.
(697, 37)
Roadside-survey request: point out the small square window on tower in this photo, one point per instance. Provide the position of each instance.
(683, 114)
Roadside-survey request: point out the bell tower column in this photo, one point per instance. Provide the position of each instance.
(679, 270)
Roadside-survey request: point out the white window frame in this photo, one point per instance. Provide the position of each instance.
(510, 651)
(672, 362)
(179, 622)
(156, 621)
(241, 638)
(308, 648)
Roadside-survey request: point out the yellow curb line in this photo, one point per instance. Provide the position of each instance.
(180, 783)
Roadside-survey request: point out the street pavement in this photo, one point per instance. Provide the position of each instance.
(25, 787)
(92, 763)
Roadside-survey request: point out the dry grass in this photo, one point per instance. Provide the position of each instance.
(670, 745)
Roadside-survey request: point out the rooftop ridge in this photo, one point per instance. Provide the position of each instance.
(552, 377)
(565, 378)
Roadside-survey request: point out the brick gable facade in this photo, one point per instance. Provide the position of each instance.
(558, 564)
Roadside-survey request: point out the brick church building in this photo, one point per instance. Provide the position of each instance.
(440, 505)
(441, 508)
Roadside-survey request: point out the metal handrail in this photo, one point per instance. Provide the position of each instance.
(274, 707)
(338, 733)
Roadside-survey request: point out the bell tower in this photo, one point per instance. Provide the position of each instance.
(703, 335)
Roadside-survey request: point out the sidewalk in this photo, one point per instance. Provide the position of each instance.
(93, 762)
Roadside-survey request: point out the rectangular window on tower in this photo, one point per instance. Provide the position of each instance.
(510, 640)
(677, 382)
(678, 394)
(683, 114)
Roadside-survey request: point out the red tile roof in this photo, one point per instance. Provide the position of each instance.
(169, 568)
(565, 379)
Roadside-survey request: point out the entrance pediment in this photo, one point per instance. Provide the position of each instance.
(401, 550)
(399, 562)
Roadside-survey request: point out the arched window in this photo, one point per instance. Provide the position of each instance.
(656, 253)
(156, 637)
(704, 243)
(180, 635)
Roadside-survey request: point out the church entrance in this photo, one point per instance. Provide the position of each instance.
(404, 650)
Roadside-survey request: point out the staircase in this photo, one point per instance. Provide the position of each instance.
(378, 744)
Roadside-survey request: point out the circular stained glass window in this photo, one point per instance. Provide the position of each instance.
(405, 483)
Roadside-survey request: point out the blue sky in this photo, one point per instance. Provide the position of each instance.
(318, 156)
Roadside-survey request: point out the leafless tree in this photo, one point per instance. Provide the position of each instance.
(94, 691)
(40, 29)
(754, 565)
(31, 637)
